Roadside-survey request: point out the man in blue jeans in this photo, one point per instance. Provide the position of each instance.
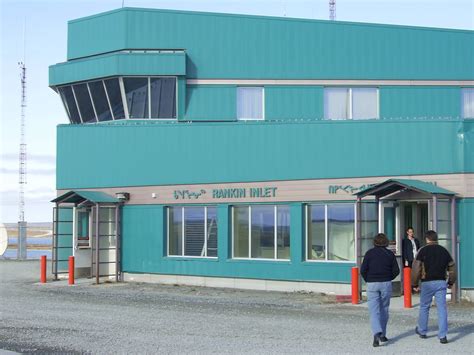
(378, 269)
(433, 263)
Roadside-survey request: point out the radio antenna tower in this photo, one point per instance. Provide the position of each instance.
(22, 225)
(332, 10)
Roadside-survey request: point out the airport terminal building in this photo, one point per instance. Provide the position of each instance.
(259, 152)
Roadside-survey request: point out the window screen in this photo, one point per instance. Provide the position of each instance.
(364, 103)
(136, 92)
(70, 104)
(336, 103)
(84, 101)
(467, 102)
(115, 97)
(250, 103)
(100, 101)
(163, 97)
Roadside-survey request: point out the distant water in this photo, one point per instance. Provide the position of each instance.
(30, 254)
(36, 241)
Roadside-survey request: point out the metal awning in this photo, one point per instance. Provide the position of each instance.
(393, 185)
(80, 196)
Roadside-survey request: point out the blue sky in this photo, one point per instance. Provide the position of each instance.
(46, 31)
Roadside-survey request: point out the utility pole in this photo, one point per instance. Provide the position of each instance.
(22, 225)
(332, 10)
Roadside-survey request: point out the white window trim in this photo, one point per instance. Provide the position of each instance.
(349, 112)
(326, 238)
(249, 252)
(125, 103)
(263, 104)
(183, 236)
(463, 113)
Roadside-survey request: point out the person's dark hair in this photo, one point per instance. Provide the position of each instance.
(381, 240)
(432, 236)
(409, 229)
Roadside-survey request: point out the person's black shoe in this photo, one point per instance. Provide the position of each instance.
(383, 338)
(376, 341)
(422, 336)
(443, 340)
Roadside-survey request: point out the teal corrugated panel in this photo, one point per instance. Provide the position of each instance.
(294, 102)
(421, 102)
(255, 47)
(254, 151)
(144, 247)
(466, 239)
(208, 103)
(100, 33)
(118, 64)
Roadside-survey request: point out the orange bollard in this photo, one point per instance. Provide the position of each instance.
(407, 287)
(71, 270)
(43, 269)
(355, 285)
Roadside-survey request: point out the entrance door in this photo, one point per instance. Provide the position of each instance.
(416, 215)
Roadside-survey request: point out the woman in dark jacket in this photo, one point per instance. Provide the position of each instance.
(378, 269)
(410, 247)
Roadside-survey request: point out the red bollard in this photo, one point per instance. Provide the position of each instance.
(71, 270)
(43, 269)
(407, 287)
(355, 285)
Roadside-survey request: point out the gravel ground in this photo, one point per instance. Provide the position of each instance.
(141, 318)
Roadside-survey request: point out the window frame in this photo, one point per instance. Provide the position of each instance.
(149, 77)
(275, 234)
(350, 113)
(326, 235)
(463, 89)
(237, 103)
(168, 223)
(122, 95)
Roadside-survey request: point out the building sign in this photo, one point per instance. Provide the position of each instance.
(348, 189)
(242, 192)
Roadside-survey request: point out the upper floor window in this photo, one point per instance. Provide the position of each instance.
(118, 98)
(192, 231)
(261, 232)
(467, 102)
(350, 103)
(250, 103)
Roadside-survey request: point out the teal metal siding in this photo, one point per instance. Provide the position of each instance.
(144, 247)
(466, 246)
(118, 64)
(294, 102)
(96, 34)
(420, 102)
(246, 47)
(176, 153)
(211, 103)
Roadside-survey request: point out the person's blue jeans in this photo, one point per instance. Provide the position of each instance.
(438, 290)
(378, 299)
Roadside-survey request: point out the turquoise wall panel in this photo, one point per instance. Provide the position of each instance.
(218, 45)
(466, 240)
(156, 153)
(118, 64)
(142, 237)
(208, 103)
(144, 240)
(294, 102)
(64, 241)
(421, 102)
(109, 36)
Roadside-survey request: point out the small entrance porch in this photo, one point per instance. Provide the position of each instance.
(397, 204)
(86, 225)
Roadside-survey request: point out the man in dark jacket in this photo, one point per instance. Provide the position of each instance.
(432, 264)
(378, 269)
(410, 247)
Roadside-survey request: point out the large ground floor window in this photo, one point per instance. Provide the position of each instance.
(330, 232)
(261, 232)
(192, 231)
